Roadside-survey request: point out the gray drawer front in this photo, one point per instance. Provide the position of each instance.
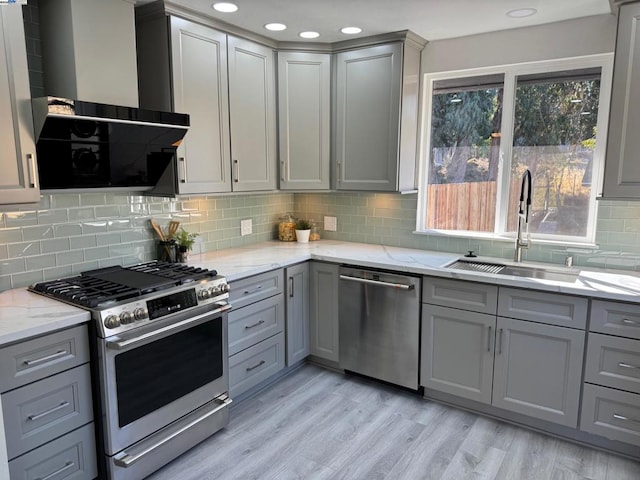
(31, 360)
(71, 457)
(613, 362)
(44, 410)
(611, 413)
(543, 307)
(253, 289)
(255, 364)
(254, 323)
(614, 318)
(476, 297)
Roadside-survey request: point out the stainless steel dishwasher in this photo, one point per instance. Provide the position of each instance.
(379, 319)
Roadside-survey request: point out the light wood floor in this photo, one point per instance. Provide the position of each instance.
(318, 424)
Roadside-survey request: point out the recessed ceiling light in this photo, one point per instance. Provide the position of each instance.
(521, 12)
(275, 27)
(351, 30)
(225, 7)
(309, 34)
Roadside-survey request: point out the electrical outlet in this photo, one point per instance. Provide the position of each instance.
(331, 224)
(246, 227)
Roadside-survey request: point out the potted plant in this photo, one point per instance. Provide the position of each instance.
(303, 229)
(185, 241)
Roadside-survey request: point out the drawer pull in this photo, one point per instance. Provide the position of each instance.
(617, 416)
(254, 290)
(260, 363)
(38, 416)
(53, 356)
(66, 466)
(247, 327)
(631, 322)
(500, 342)
(626, 365)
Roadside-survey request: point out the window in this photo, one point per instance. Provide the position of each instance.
(484, 130)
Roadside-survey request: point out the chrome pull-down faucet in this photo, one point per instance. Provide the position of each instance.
(524, 211)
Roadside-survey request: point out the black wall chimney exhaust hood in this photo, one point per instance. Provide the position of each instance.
(85, 146)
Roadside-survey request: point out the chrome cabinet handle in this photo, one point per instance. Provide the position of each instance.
(617, 416)
(630, 322)
(253, 290)
(53, 356)
(401, 286)
(38, 416)
(33, 171)
(339, 173)
(489, 339)
(260, 363)
(183, 169)
(236, 175)
(247, 327)
(626, 365)
(500, 342)
(66, 466)
(291, 287)
(282, 171)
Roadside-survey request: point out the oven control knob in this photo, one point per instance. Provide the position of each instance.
(126, 317)
(224, 288)
(112, 321)
(215, 290)
(204, 294)
(140, 313)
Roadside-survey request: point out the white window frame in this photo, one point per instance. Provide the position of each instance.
(511, 72)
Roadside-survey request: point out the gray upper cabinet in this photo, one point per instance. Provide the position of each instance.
(377, 117)
(199, 59)
(253, 115)
(297, 312)
(304, 120)
(19, 179)
(622, 165)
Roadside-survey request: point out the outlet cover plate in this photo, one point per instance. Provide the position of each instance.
(331, 224)
(246, 227)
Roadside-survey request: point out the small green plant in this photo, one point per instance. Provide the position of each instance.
(185, 239)
(303, 225)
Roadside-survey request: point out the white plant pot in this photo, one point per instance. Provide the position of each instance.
(302, 236)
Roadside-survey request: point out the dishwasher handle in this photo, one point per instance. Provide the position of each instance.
(379, 283)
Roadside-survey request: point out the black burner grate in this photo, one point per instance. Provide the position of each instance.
(115, 284)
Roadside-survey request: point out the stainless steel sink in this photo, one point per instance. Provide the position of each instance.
(516, 270)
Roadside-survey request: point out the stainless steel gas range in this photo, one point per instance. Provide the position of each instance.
(161, 359)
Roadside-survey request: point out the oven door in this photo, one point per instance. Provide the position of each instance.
(153, 377)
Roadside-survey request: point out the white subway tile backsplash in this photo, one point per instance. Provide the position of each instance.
(20, 219)
(85, 213)
(51, 217)
(38, 262)
(37, 233)
(55, 245)
(23, 249)
(68, 258)
(67, 230)
(9, 235)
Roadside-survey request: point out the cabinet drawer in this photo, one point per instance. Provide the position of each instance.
(71, 457)
(611, 413)
(255, 364)
(613, 362)
(622, 319)
(253, 289)
(254, 323)
(31, 360)
(44, 410)
(476, 297)
(543, 307)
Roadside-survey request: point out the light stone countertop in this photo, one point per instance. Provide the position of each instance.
(24, 314)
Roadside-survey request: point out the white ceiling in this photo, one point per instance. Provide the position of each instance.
(431, 19)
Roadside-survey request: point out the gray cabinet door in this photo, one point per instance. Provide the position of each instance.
(304, 120)
(297, 312)
(323, 315)
(19, 179)
(538, 370)
(457, 352)
(369, 82)
(253, 115)
(199, 63)
(622, 165)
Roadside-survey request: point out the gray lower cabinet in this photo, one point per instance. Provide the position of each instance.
(377, 116)
(610, 413)
(304, 120)
(256, 330)
(297, 311)
(457, 352)
(19, 179)
(323, 314)
(48, 408)
(538, 370)
(622, 164)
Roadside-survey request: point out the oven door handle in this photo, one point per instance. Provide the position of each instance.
(164, 331)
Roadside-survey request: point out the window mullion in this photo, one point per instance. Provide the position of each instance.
(506, 148)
